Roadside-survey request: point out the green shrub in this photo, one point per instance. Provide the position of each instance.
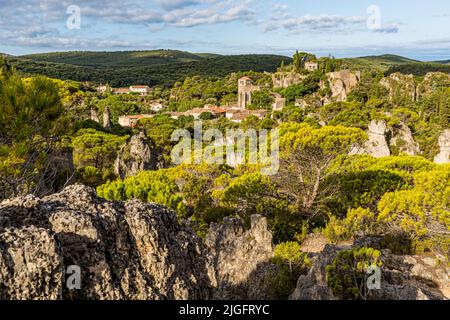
(291, 263)
(346, 276)
(290, 254)
(357, 222)
(90, 176)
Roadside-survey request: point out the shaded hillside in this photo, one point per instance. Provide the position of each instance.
(136, 73)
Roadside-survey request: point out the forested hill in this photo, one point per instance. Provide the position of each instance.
(165, 67)
(160, 67)
(116, 59)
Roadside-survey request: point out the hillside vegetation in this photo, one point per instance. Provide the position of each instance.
(100, 60)
(162, 67)
(329, 183)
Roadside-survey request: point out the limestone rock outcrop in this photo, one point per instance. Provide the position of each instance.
(129, 250)
(241, 259)
(432, 81)
(124, 250)
(444, 148)
(286, 79)
(341, 83)
(377, 145)
(401, 85)
(403, 140)
(135, 250)
(25, 272)
(138, 155)
(402, 277)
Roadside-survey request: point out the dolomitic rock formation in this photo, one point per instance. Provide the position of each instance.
(403, 140)
(341, 83)
(138, 155)
(403, 277)
(432, 81)
(401, 85)
(140, 251)
(444, 148)
(124, 250)
(286, 79)
(241, 259)
(377, 145)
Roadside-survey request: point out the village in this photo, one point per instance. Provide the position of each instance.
(236, 113)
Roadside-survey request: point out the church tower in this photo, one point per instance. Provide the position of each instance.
(245, 89)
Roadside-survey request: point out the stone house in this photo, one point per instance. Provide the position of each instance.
(241, 115)
(142, 90)
(157, 106)
(311, 66)
(131, 120)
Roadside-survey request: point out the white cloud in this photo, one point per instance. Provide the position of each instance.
(43, 23)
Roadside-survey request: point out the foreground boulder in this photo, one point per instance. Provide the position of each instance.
(123, 250)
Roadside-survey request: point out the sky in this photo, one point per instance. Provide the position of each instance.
(342, 28)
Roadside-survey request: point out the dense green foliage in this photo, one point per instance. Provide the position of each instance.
(347, 275)
(291, 263)
(132, 72)
(31, 122)
(98, 60)
(419, 69)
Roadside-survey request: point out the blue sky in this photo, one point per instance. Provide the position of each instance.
(417, 29)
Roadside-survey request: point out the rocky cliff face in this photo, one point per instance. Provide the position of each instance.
(138, 155)
(444, 148)
(405, 86)
(432, 81)
(124, 251)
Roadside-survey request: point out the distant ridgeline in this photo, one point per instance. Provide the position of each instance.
(160, 67)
